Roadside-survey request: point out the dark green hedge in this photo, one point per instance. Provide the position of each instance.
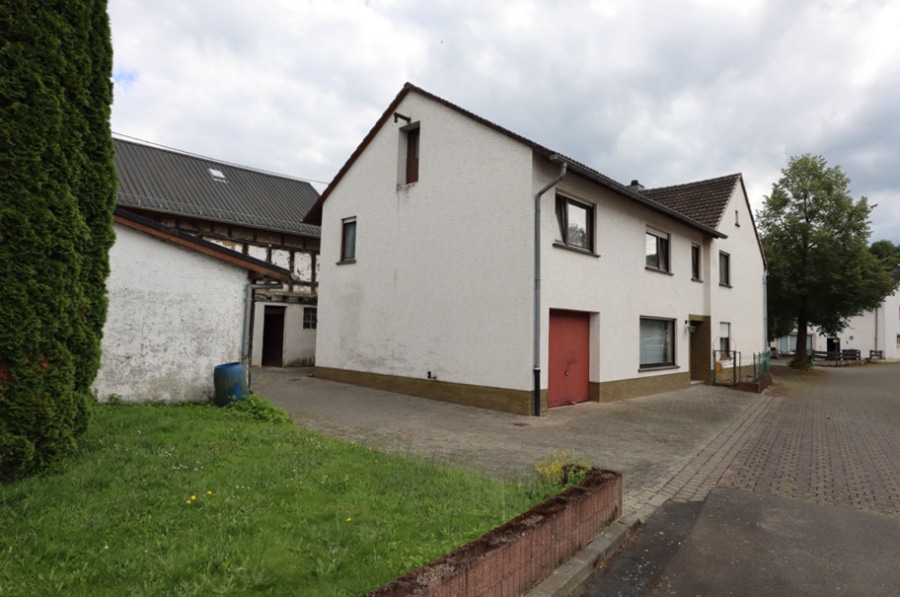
(57, 194)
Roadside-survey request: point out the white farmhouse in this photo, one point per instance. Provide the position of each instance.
(431, 282)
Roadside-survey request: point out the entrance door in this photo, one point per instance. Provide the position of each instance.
(701, 348)
(273, 337)
(569, 366)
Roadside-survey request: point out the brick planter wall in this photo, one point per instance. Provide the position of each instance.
(517, 555)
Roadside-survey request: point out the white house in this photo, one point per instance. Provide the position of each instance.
(872, 332)
(431, 284)
(177, 308)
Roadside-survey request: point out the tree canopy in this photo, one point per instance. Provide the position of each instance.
(57, 195)
(815, 235)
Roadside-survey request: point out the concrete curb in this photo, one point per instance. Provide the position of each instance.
(572, 574)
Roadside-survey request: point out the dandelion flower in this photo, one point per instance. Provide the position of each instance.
(193, 497)
(208, 492)
(349, 519)
(188, 502)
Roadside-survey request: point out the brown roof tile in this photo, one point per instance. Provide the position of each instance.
(703, 201)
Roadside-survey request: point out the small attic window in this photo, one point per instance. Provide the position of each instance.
(217, 175)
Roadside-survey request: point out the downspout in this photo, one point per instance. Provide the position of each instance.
(765, 297)
(537, 287)
(876, 328)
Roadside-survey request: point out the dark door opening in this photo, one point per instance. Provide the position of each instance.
(273, 337)
(701, 348)
(569, 358)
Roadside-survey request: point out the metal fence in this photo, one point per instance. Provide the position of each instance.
(729, 369)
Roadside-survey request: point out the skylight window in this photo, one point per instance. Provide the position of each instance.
(217, 175)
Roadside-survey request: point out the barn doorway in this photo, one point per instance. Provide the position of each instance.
(569, 358)
(273, 337)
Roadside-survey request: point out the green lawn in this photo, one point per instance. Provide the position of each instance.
(200, 500)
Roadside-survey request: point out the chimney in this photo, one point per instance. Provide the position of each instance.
(636, 186)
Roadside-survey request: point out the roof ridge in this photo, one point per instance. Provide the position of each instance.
(165, 148)
(736, 175)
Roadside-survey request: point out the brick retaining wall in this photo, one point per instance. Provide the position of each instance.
(517, 555)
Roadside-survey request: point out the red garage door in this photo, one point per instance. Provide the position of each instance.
(569, 369)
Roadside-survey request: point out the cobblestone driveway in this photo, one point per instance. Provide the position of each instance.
(830, 436)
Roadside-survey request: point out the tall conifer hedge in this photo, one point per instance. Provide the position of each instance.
(57, 195)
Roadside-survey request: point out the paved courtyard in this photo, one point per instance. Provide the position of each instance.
(829, 437)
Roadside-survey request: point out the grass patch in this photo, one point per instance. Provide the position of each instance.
(199, 500)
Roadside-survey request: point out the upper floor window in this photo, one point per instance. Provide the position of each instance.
(724, 269)
(657, 342)
(576, 223)
(412, 155)
(657, 250)
(696, 262)
(348, 240)
(310, 318)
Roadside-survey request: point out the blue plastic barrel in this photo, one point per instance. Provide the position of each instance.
(230, 381)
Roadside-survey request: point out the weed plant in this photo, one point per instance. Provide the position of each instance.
(199, 500)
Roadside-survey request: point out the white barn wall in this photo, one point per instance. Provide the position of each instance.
(174, 315)
(442, 281)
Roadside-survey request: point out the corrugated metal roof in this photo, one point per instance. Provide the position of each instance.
(167, 181)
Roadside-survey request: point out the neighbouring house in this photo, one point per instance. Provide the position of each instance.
(876, 333)
(254, 213)
(177, 308)
(431, 284)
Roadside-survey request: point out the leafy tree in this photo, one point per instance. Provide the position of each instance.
(815, 236)
(887, 252)
(57, 194)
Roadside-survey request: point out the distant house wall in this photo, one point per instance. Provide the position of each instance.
(174, 315)
(874, 330)
(299, 343)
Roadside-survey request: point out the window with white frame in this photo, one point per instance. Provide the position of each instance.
(657, 342)
(724, 269)
(348, 240)
(656, 250)
(310, 318)
(725, 339)
(696, 262)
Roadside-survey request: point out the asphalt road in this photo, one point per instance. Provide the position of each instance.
(809, 505)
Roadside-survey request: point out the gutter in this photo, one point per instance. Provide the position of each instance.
(537, 283)
(623, 190)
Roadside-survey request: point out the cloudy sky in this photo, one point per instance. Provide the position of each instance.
(665, 91)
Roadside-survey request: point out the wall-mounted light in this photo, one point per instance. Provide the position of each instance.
(398, 116)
